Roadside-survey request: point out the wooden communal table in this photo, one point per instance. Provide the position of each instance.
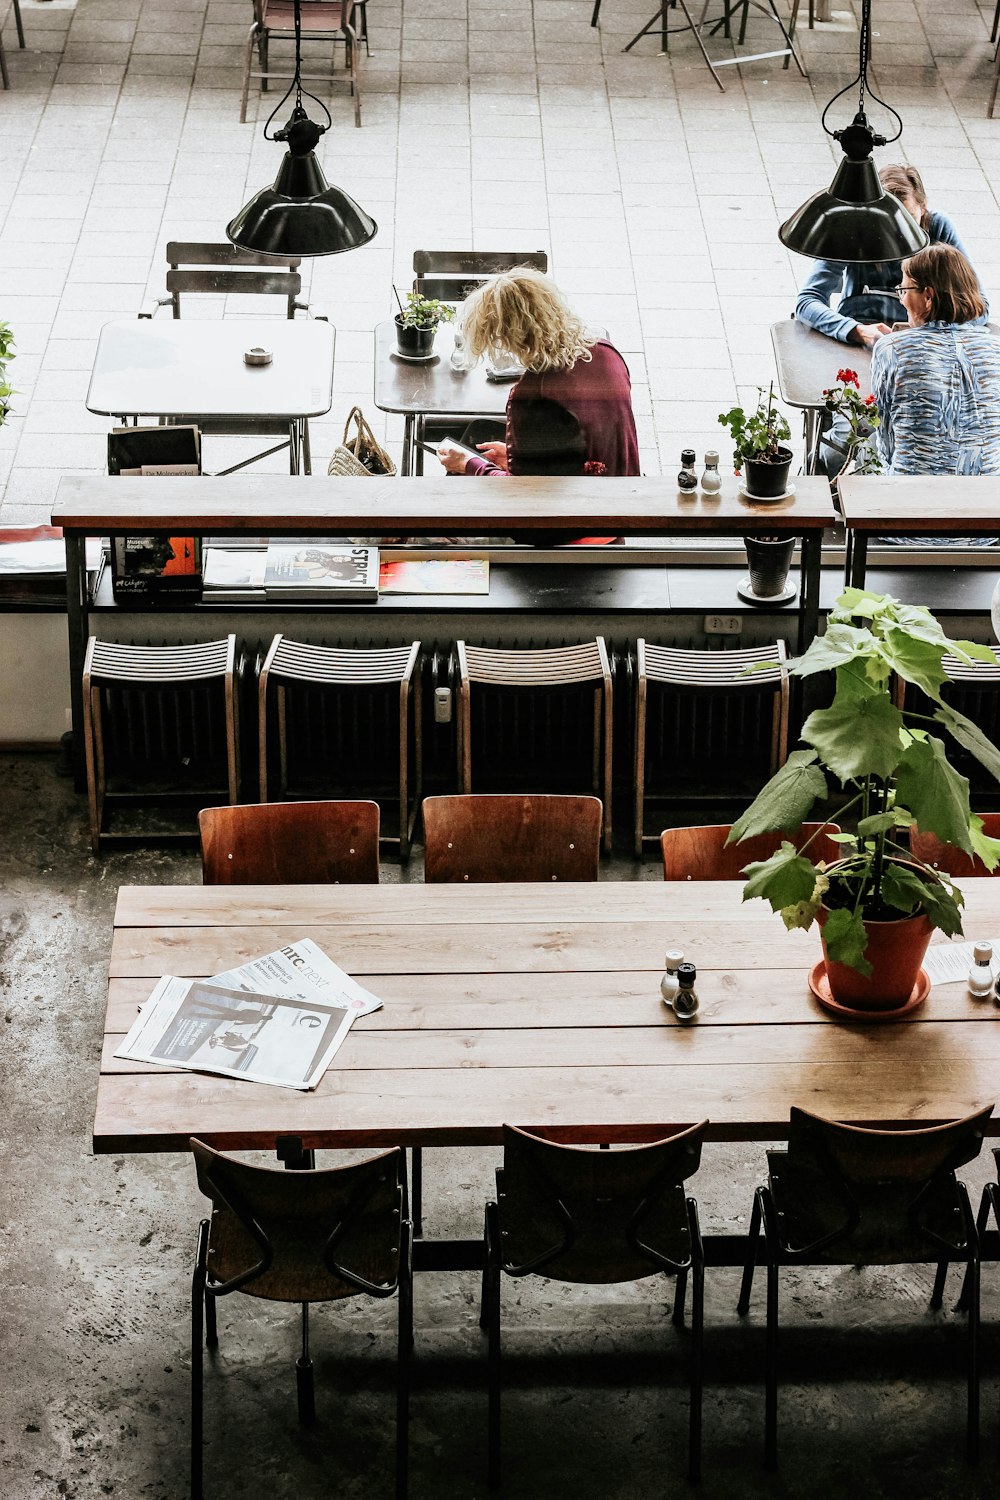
(280, 505)
(537, 1005)
(915, 505)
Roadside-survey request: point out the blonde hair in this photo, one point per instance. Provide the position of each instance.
(523, 313)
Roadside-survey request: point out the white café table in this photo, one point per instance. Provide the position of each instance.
(193, 371)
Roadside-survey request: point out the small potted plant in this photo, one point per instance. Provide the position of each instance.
(859, 419)
(6, 389)
(417, 323)
(760, 445)
(876, 907)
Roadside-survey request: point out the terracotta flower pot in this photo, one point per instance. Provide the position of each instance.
(416, 342)
(767, 478)
(895, 951)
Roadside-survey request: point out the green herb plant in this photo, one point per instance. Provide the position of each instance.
(6, 389)
(896, 773)
(425, 312)
(757, 436)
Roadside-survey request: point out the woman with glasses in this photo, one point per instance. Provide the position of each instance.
(937, 383)
(867, 305)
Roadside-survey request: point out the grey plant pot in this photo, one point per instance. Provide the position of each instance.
(769, 563)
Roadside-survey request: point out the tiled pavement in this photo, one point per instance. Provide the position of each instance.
(498, 123)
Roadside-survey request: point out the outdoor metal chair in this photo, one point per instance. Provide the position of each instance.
(329, 21)
(290, 843)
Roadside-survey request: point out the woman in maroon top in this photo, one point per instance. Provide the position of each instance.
(571, 411)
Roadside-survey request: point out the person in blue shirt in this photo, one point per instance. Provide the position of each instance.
(866, 308)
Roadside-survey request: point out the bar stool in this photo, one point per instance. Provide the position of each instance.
(699, 673)
(557, 666)
(196, 689)
(297, 663)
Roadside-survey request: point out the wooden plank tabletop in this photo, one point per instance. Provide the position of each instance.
(276, 503)
(538, 1005)
(921, 503)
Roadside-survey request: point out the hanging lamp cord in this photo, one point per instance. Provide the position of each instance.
(295, 87)
(864, 54)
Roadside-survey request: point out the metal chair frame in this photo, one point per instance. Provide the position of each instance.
(344, 31)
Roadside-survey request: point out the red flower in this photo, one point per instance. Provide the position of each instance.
(849, 377)
(869, 400)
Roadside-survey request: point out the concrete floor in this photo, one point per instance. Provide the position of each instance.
(95, 1262)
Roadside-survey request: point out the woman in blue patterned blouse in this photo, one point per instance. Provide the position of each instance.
(937, 383)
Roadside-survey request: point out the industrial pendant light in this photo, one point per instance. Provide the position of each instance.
(856, 220)
(301, 214)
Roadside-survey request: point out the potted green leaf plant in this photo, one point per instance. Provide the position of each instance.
(760, 445)
(417, 322)
(6, 389)
(876, 907)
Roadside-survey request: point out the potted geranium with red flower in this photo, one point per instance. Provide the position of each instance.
(855, 419)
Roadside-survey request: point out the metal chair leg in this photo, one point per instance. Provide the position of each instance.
(771, 1369)
(493, 1328)
(197, 1360)
(404, 1356)
(940, 1276)
(305, 1388)
(680, 1293)
(20, 28)
(417, 1191)
(972, 1418)
(697, 1343)
(746, 1286)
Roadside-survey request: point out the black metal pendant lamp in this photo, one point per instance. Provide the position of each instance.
(301, 214)
(856, 220)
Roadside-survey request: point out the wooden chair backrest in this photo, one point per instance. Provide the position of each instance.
(224, 270)
(490, 838)
(450, 275)
(594, 1216)
(290, 843)
(280, 1234)
(702, 853)
(930, 850)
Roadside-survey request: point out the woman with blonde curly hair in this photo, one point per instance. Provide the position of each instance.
(571, 410)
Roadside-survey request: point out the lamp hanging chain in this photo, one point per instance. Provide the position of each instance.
(861, 79)
(295, 87)
(864, 48)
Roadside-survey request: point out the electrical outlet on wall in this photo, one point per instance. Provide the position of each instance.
(723, 624)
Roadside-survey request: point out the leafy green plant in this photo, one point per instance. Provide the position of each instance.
(6, 389)
(424, 312)
(862, 418)
(758, 435)
(894, 768)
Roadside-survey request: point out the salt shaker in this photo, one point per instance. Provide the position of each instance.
(458, 353)
(686, 1002)
(670, 984)
(711, 479)
(981, 972)
(687, 479)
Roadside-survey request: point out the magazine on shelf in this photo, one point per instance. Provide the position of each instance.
(277, 1019)
(436, 575)
(234, 575)
(154, 450)
(155, 567)
(317, 570)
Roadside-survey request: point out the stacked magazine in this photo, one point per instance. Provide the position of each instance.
(278, 1019)
(321, 571)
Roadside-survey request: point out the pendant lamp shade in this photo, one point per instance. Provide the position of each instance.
(301, 215)
(856, 220)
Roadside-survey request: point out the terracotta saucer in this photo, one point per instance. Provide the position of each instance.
(820, 986)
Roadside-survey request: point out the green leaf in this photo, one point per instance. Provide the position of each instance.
(861, 602)
(846, 939)
(916, 660)
(974, 652)
(901, 888)
(785, 878)
(858, 735)
(984, 847)
(785, 802)
(877, 823)
(907, 891)
(971, 737)
(935, 793)
(840, 644)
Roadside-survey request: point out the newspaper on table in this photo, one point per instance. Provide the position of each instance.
(947, 963)
(278, 1019)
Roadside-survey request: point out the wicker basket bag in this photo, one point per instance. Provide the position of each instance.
(360, 452)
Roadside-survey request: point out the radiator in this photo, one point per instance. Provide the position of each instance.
(165, 742)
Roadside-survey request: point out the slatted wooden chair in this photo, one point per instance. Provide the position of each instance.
(289, 664)
(195, 267)
(492, 838)
(595, 1217)
(329, 21)
(929, 849)
(117, 680)
(316, 1236)
(698, 674)
(290, 843)
(703, 854)
(846, 1195)
(553, 667)
(450, 275)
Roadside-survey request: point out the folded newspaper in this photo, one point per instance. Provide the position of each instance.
(278, 1019)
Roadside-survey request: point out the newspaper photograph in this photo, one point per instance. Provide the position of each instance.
(196, 1024)
(300, 971)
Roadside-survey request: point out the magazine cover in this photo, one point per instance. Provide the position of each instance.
(155, 566)
(436, 575)
(315, 571)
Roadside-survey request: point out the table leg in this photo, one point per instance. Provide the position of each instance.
(859, 559)
(307, 458)
(406, 464)
(810, 437)
(294, 447)
(809, 580)
(76, 619)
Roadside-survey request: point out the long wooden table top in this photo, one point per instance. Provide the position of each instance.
(645, 506)
(537, 1005)
(921, 503)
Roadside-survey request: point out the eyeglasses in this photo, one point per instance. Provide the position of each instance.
(897, 291)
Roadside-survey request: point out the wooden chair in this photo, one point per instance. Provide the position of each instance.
(296, 664)
(329, 21)
(450, 275)
(703, 854)
(696, 675)
(557, 666)
(196, 705)
(290, 843)
(316, 1236)
(595, 1217)
(485, 838)
(844, 1195)
(198, 268)
(930, 850)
